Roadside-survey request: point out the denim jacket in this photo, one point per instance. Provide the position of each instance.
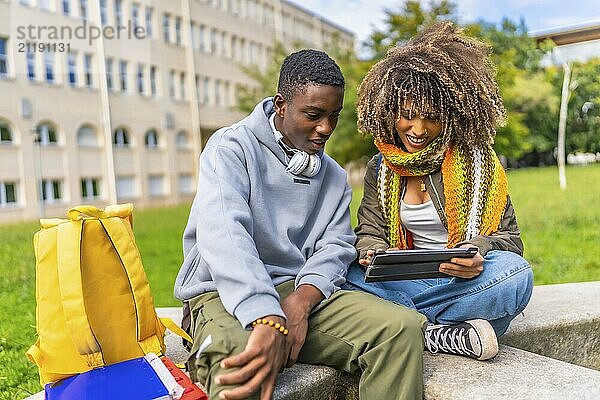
(372, 229)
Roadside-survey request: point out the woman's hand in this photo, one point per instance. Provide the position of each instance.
(367, 260)
(369, 257)
(466, 268)
(264, 356)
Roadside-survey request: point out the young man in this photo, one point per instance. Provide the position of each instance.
(267, 246)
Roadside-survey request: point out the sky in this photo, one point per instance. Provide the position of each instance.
(360, 16)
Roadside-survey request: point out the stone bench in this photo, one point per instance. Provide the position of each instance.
(543, 356)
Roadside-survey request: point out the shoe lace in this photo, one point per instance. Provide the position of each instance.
(447, 340)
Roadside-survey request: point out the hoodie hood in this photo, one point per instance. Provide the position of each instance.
(258, 123)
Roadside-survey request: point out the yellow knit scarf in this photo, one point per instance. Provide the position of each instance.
(475, 187)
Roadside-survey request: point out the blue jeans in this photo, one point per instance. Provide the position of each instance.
(498, 294)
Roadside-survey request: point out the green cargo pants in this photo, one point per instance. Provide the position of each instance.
(351, 331)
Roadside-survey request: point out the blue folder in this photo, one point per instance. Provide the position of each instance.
(127, 380)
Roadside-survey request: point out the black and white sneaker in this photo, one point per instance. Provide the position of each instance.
(474, 338)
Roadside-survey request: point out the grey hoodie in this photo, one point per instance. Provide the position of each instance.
(253, 225)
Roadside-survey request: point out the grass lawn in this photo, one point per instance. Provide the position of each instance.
(561, 231)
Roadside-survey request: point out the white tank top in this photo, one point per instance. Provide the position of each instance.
(423, 221)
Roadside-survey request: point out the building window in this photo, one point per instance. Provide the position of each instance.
(49, 66)
(140, 78)
(86, 136)
(3, 59)
(149, 14)
(223, 44)
(109, 74)
(182, 85)
(135, 15)
(153, 80)
(234, 52)
(213, 41)
(46, 135)
(202, 38)
(185, 184)
(45, 5)
(156, 185)
(166, 28)
(183, 141)
(83, 9)
(8, 194)
(206, 91)
(66, 7)
(226, 99)
(5, 134)
(151, 139)
(87, 70)
(217, 92)
(123, 75)
(172, 84)
(235, 8)
(178, 31)
(197, 87)
(72, 68)
(30, 63)
(193, 35)
(125, 187)
(90, 188)
(51, 190)
(243, 51)
(121, 138)
(118, 13)
(103, 12)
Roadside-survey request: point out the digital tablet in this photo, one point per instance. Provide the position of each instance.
(393, 265)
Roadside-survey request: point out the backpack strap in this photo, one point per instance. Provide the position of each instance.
(71, 292)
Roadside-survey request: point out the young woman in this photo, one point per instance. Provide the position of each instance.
(432, 107)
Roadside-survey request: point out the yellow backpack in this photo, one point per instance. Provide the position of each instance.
(94, 305)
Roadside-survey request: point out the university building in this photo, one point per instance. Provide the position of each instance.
(111, 101)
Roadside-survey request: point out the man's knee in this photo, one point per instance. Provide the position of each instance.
(216, 337)
(388, 320)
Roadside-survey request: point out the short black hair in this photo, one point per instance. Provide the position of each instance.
(307, 67)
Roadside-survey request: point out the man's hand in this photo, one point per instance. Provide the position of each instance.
(264, 356)
(466, 268)
(297, 307)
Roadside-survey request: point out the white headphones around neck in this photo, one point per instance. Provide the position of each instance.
(301, 163)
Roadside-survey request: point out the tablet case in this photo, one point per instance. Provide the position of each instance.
(412, 264)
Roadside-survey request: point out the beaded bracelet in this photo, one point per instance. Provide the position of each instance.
(268, 322)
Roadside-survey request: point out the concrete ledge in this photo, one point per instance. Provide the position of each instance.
(513, 374)
(561, 321)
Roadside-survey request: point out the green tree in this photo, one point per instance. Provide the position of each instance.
(401, 24)
(346, 144)
(583, 123)
(529, 98)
